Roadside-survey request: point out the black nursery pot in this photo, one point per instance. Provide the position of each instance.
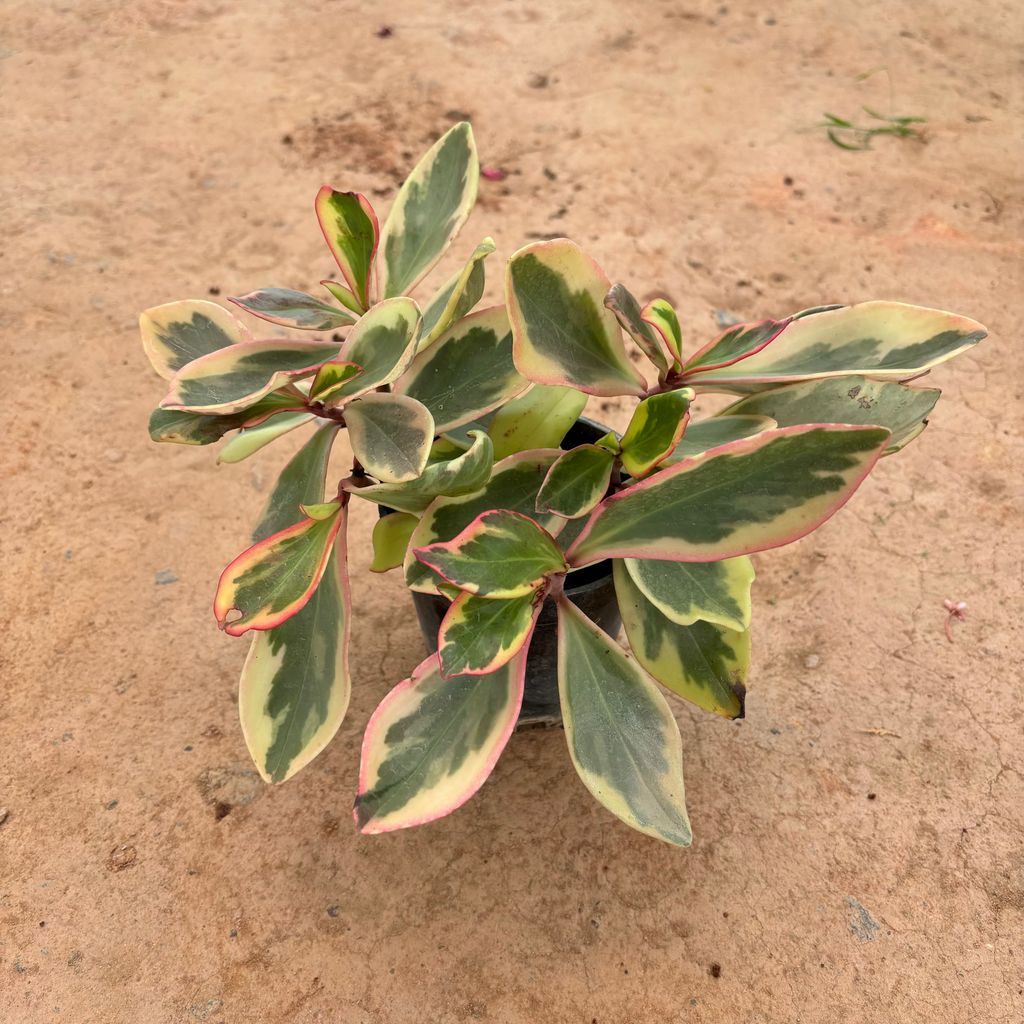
(591, 589)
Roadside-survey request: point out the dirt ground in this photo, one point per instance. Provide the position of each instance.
(858, 853)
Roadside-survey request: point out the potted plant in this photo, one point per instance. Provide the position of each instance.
(524, 531)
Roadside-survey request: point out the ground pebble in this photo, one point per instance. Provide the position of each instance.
(812, 661)
(114, 455)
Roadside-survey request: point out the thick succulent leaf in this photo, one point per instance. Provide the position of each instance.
(177, 427)
(249, 441)
(661, 315)
(687, 591)
(429, 210)
(236, 377)
(513, 485)
(734, 344)
(350, 229)
(330, 377)
(901, 409)
(761, 492)
(703, 662)
(300, 483)
(390, 538)
(657, 425)
(295, 685)
(293, 309)
(881, 340)
(622, 737)
(467, 372)
(561, 331)
(274, 579)
(432, 743)
(177, 332)
(345, 296)
(714, 432)
(391, 435)
(456, 297)
(627, 311)
(540, 418)
(383, 343)
(576, 482)
(479, 635)
(500, 554)
(465, 472)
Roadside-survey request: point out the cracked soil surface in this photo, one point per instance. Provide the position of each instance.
(858, 853)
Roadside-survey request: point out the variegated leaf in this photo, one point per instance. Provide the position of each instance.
(661, 315)
(901, 409)
(467, 372)
(177, 427)
(734, 344)
(432, 743)
(249, 441)
(330, 378)
(540, 418)
(500, 554)
(627, 311)
(390, 539)
(623, 740)
(561, 331)
(687, 591)
(383, 343)
(703, 662)
(429, 211)
(458, 472)
(345, 296)
(456, 297)
(478, 635)
(714, 432)
(351, 231)
(274, 579)
(391, 435)
(236, 377)
(294, 309)
(881, 340)
(513, 485)
(300, 483)
(761, 492)
(576, 482)
(657, 424)
(177, 332)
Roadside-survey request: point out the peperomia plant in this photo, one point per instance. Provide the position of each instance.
(456, 420)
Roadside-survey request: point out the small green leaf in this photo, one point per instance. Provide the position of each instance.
(294, 309)
(623, 740)
(330, 377)
(657, 424)
(177, 332)
(734, 344)
(703, 663)
(345, 296)
(467, 372)
(540, 418)
(176, 427)
(391, 435)
(661, 315)
(456, 297)
(350, 229)
(576, 482)
(627, 311)
(391, 535)
(248, 442)
(562, 333)
(429, 211)
(432, 743)
(500, 554)
(762, 492)
(478, 635)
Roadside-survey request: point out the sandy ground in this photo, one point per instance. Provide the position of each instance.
(858, 853)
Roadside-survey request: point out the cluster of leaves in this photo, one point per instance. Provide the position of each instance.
(455, 418)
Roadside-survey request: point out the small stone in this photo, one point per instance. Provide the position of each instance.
(4, 814)
(333, 911)
(724, 318)
(114, 455)
(812, 661)
(164, 576)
